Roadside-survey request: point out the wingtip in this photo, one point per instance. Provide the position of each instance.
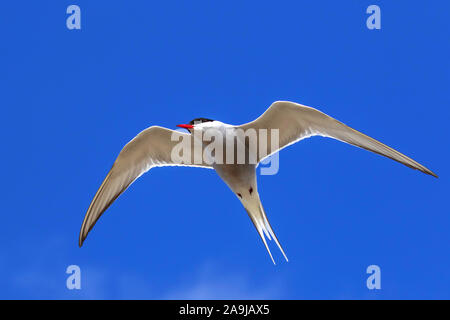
(81, 240)
(431, 173)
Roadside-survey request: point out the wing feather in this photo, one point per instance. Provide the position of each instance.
(296, 122)
(150, 148)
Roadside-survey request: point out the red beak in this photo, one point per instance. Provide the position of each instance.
(185, 126)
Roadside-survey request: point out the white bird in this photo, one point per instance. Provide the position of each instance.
(153, 146)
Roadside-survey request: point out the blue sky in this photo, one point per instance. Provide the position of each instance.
(72, 98)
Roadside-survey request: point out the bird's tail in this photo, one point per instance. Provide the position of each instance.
(262, 225)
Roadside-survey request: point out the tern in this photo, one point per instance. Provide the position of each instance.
(153, 148)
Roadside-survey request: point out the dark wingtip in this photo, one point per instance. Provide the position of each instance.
(80, 241)
(431, 173)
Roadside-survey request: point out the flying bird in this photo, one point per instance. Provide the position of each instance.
(153, 148)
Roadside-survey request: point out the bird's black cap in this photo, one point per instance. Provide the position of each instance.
(199, 120)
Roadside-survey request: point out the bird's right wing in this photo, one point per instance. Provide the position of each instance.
(296, 122)
(151, 148)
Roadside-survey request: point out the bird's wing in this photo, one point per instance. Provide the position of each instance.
(296, 122)
(151, 148)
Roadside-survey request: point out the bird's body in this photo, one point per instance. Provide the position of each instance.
(157, 146)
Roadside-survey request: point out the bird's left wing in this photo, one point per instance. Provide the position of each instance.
(296, 122)
(151, 148)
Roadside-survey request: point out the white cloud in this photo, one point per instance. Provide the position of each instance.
(213, 283)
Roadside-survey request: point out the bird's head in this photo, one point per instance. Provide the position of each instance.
(197, 123)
